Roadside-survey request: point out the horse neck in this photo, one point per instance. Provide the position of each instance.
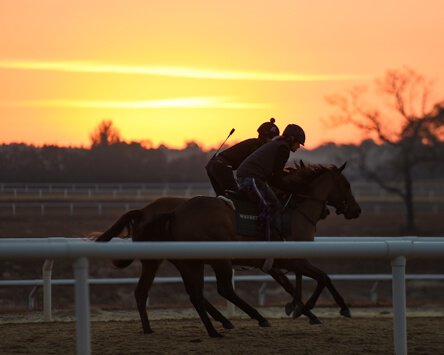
(307, 213)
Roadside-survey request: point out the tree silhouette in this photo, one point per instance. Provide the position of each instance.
(404, 119)
(105, 134)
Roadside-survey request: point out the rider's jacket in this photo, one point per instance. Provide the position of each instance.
(236, 154)
(267, 163)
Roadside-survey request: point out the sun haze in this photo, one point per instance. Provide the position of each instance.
(173, 72)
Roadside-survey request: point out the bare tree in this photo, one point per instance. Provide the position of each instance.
(105, 134)
(402, 116)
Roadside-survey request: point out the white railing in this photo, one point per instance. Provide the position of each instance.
(395, 250)
(47, 282)
(375, 207)
(110, 190)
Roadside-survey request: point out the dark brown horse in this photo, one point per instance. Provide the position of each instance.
(191, 271)
(328, 186)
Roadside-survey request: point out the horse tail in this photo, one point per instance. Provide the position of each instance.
(121, 263)
(128, 220)
(157, 229)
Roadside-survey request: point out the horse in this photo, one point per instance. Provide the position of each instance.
(329, 187)
(192, 271)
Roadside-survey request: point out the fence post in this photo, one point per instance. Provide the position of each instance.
(47, 292)
(82, 306)
(399, 305)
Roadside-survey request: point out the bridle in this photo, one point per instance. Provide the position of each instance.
(294, 206)
(340, 208)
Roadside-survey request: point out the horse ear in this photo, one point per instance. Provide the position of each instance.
(342, 167)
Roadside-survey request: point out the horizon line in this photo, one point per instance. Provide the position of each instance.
(147, 144)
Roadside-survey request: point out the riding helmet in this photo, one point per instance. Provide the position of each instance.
(268, 129)
(295, 131)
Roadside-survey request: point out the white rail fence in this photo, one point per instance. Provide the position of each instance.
(47, 295)
(17, 207)
(47, 282)
(428, 196)
(395, 250)
(429, 189)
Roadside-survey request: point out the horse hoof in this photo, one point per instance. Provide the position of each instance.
(345, 312)
(148, 331)
(264, 324)
(297, 312)
(289, 308)
(215, 335)
(315, 321)
(228, 325)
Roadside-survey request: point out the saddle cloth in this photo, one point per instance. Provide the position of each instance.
(247, 218)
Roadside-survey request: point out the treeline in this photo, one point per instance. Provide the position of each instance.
(119, 162)
(131, 162)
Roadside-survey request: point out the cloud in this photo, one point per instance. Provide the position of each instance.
(184, 72)
(185, 102)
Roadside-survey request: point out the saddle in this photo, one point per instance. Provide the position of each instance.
(248, 219)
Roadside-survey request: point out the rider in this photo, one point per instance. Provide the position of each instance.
(266, 165)
(220, 167)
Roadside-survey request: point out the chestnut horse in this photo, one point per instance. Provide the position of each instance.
(336, 191)
(192, 271)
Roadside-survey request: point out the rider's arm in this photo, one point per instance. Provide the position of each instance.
(278, 170)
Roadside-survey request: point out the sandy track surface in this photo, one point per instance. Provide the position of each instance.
(100, 315)
(370, 331)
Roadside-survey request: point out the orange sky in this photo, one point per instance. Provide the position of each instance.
(174, 71)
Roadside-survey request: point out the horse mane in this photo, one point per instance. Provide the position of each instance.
(303, 175)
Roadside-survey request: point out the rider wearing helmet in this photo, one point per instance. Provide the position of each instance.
(220, 167)
(266, 166)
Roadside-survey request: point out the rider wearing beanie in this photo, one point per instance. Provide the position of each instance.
(266, 166)
(220, 167)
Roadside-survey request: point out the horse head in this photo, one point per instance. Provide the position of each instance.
(341, 197)
(337, 190)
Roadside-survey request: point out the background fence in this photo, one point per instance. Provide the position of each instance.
(43, 197)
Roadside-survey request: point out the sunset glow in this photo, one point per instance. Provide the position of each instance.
(203, 102)
(173, 72)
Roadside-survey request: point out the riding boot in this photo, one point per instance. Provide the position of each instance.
(276, 233)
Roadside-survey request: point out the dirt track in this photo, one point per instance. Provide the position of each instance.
(180, 331)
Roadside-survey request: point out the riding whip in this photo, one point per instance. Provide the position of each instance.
(231, 132)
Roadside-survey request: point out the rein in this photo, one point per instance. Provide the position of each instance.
(341, 208)
(307, 197)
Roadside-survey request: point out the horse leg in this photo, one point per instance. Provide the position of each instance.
(192, 273)
(303, 267)
(283, 280)
(223, 271)
(296, 293)
(149, 270)
(217, 316)
(345, 311)
(307, 269)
